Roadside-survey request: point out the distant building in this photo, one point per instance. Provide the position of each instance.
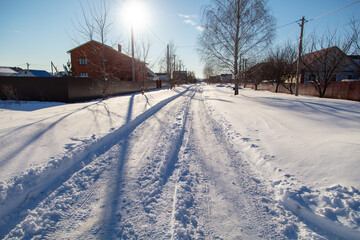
(96, 60)
(180, 76)
(151, 76)
(163, 76)
(33, 73)
(18, 72)
(355, 58)
(7, 71)
(226, 78)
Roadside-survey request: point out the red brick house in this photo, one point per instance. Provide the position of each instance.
(96, 60)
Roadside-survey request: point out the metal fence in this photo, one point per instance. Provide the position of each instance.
(69, 89)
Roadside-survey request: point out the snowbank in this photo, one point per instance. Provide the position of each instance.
(307, 148)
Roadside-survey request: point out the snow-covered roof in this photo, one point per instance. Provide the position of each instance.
(155, 76)
(7, 71)
(35, 73)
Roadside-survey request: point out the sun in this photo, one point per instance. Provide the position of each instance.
(135, 14)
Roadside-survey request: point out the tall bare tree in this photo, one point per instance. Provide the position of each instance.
(142, 46)
(94, 24)
(233, 29)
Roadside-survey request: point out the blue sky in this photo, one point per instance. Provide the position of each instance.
(41, 31)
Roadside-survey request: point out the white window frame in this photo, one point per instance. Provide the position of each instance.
(82, 61)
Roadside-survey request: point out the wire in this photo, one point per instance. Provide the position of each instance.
(156, 36)
(287, 24)
(339, 9)
(186, 46)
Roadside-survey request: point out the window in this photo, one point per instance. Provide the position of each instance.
(82, 61)
(82, 74)
(349, 76)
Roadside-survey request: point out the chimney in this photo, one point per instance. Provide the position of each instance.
(119, 48)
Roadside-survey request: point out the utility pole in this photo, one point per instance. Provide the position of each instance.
(174, 71)
(168, 62)
(52, 68)
(299, 57)
(132, 53)
(174, 63)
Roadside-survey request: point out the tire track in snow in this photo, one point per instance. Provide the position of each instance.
(58, 172)
(155, 210)
(239, 202)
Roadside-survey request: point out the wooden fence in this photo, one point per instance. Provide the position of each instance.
(338, 90)
(68, 89)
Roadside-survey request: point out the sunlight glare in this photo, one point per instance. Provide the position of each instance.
(136, 13)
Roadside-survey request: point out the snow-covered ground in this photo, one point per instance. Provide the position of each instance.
(193, 162)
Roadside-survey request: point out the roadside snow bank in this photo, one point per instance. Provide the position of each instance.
(307, 148)
(321, 222)
(32, 182)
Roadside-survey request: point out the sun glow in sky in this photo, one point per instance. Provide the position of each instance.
(136, 13)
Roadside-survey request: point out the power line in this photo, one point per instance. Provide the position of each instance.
(186, 46)
(156, 36)
(287, 24)
(339, 9)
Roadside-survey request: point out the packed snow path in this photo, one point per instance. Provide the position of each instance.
(170, 173)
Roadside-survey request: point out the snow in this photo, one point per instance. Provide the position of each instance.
(193, 162)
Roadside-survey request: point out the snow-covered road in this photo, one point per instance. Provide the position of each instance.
(170, 171)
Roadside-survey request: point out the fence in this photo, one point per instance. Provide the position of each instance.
(68, 89)
(338, 90)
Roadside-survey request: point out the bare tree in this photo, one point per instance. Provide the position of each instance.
(326, 60)
(281, 66)
(168, 62)
(209, 70)
(354, 35)
(95, 26)
(257, 73)
(142, 47)
(233, 29)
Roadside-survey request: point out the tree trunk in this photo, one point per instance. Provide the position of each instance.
(236, 88)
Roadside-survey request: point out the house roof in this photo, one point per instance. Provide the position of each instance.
(40, 73)
(106, 46)
(155, 76)
(356, 58)
(33, 73)
(7, 71)
(310, 58)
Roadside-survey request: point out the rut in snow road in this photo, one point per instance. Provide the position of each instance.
(174, 174)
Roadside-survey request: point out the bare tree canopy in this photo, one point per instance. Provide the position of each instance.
(327, 58)
(354, 35)
(95, 26)
(209, 70)
(234, 29)
(281, 66)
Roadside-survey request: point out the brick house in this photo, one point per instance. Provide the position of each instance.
(96, 60)
(326, 62)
